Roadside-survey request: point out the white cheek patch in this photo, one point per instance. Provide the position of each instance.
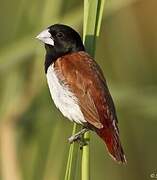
(46, 37)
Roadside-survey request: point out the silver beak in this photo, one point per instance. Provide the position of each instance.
(46, 37)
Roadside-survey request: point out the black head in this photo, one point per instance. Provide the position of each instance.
(65, 38)
(60, 40)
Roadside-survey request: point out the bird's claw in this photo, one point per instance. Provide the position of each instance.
(79, 138)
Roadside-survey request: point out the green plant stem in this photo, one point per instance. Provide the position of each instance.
(93, 11)
(70, 157)
(85, 169)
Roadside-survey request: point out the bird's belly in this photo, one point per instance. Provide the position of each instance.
(63, 98)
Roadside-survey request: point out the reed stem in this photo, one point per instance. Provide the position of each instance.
(70, 157)
(93, 11)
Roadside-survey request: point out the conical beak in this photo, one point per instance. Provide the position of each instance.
(46, 37)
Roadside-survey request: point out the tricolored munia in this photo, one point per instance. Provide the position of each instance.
(78, 87)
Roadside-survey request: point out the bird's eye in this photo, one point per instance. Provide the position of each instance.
(59, 34)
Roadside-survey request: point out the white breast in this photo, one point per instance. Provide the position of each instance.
(63, 98)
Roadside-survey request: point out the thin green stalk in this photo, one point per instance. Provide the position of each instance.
(70, 157)
(85, 168)
(93, 11)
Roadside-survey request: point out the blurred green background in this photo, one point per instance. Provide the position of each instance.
(33, 133)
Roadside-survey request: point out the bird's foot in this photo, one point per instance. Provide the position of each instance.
(79, 138)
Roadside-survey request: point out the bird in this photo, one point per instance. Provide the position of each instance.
(78, 87)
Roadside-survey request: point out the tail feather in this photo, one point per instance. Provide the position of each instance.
(112, 141)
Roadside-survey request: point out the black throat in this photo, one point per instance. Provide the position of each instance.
(52, 54)
(50, 57)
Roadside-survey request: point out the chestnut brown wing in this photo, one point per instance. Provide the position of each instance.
(85, 79)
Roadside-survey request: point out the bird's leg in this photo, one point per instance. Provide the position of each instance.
(79, 137)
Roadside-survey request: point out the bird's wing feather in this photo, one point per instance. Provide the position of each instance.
(85, 79)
